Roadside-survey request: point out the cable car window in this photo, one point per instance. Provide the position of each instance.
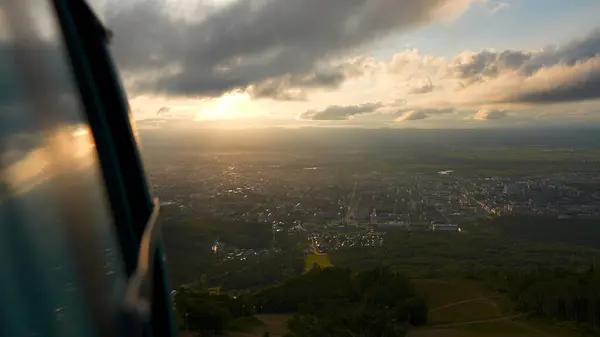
(61, 270)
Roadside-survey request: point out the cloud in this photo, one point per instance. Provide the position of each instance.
(163, 111)
(425, 88)
(413, 115)
(476, 67)
(419, 114)
(248, 42)
(486, 65)
(563, 74)
(293, 87)
(410, 63)
(556, 84)
(283, 50)
(561, 84)
(570, 54)
(336, 112)
(498, 7)
(278, 89)
(489, 114)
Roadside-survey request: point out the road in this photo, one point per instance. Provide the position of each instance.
(463, 302)
(489, 320)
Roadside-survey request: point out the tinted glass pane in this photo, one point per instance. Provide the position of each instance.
(60, 263)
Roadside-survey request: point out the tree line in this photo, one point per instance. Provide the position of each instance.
(325, 302)
(558, 294)
(433, 255)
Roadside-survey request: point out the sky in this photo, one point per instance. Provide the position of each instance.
(358, 63)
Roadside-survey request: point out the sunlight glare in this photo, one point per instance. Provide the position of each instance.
(229, 106)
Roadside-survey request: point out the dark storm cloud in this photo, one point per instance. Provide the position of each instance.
(419, 114)
(249, 42)
(338, 113)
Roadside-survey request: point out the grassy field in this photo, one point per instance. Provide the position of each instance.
(456, 301)
(464, 308)
(322, 260)
(468, 310)
(275, 325)
(443, 292)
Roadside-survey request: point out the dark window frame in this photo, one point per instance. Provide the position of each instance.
(107, 111)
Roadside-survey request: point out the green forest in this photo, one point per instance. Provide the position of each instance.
(559, 295)
(543, 271)
(189, 255)
(328, 302)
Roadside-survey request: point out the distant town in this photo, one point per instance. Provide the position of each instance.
(359, 210)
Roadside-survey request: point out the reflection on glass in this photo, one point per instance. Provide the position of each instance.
(61, 269)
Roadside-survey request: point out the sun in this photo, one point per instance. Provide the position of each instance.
(229, 106)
